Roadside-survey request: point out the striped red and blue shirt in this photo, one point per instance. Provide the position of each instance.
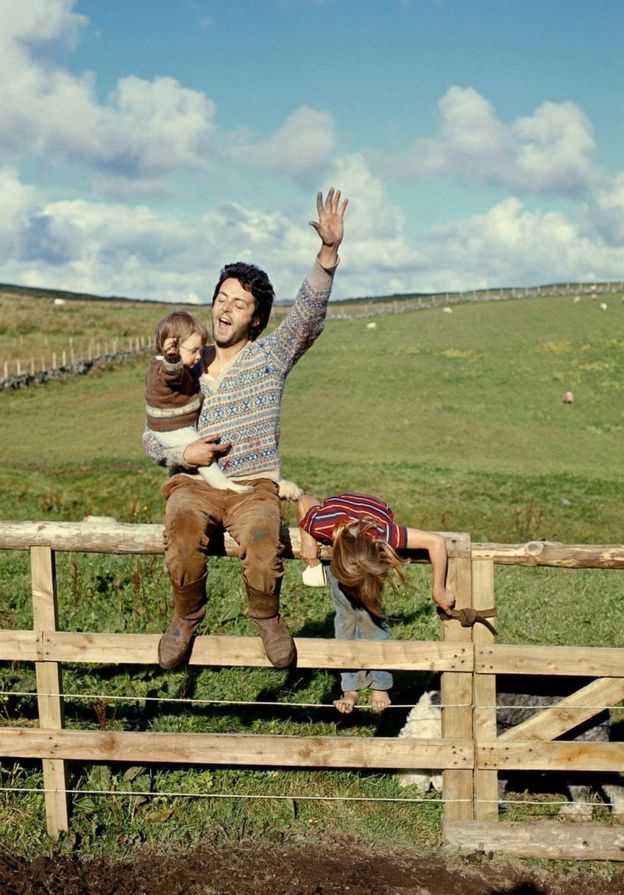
(320, 521)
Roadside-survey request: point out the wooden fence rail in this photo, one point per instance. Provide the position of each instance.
(469, 752)
(65, 355)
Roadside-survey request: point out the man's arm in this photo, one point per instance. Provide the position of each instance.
(202, 452)
(305, 320)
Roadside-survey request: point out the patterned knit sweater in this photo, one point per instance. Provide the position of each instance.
(244, 406)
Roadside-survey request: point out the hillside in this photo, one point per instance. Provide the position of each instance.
(457, 418)
(40, 327)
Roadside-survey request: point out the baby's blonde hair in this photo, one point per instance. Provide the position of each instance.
(361, 562)
(179, 325)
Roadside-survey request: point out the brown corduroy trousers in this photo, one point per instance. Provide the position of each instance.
(195, 513)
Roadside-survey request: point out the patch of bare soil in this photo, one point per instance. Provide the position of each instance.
(324, 868)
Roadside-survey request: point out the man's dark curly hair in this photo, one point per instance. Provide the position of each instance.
(255, 281)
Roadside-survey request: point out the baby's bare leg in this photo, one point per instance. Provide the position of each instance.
(216, 478)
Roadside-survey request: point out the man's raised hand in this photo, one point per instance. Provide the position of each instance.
(330, 225)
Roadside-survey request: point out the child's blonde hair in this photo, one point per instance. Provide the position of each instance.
(179, 325)
(361, 562)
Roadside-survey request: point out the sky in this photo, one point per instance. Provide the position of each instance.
(145, 143)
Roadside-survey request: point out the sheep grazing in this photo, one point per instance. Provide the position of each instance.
(568, 397)
(603, 306)
(425, 722)
(514, 707)
(59, 302)
(447, 310)
(371, 325)
(577, 299)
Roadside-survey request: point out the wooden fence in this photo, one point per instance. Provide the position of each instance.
(65, 356)
(469, 751)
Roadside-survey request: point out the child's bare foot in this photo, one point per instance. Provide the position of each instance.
(379, 700)
(347, 701)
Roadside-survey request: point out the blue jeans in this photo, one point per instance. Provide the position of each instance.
(354, 622)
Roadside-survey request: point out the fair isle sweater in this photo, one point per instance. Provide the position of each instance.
(244, 406)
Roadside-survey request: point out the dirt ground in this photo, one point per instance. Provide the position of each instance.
(326, 868)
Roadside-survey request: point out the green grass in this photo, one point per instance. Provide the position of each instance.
(457, 420)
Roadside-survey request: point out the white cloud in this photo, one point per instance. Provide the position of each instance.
(511, 245)
(155, 126)
(39, 28)
(132, 144)
(370, 213)
(546, 153)
(17, 204)
(299, 148)
(146, 129)
(113, 249)
(603, 216)
(553, 150)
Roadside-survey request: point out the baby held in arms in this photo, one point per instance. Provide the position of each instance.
(173, 396)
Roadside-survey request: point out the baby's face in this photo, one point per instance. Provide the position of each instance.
(191, 349)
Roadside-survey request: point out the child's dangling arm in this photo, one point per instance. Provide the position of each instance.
(435, 545)
(309, 545)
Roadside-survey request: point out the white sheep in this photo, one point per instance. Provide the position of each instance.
(425, 722)
(568, 397)
(447, 310)
(371, 325)
(603, 306)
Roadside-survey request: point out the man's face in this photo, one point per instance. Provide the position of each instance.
(233, 314)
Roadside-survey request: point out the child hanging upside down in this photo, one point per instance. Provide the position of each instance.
(365, 540)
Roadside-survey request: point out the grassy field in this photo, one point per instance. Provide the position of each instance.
(456, 419)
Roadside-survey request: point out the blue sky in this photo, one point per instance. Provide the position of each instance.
(144, 143)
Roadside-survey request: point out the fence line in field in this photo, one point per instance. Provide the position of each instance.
(21, 372)
(469, 752)
(294, 797)
(177, 794)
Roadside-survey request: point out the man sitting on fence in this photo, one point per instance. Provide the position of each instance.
(239, 426)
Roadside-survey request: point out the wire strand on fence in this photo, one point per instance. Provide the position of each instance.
(170, 794)
(307, 705)
(197, 701)
(221, 795)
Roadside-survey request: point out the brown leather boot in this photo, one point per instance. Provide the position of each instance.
(278, 644)
(189, 602)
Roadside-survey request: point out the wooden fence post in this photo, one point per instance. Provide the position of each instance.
(484, 694)
(49, 687)
(456, 687)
